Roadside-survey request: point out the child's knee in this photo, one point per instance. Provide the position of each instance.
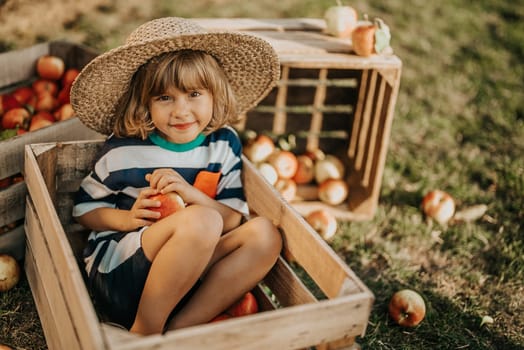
(202, 225)
(267, 235)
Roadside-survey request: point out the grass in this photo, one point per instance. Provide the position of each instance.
(459, 126)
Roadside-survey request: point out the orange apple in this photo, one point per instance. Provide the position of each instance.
(259, 149)
(328, 168)
(287, 188)
(369, 38)
(24, 95)
(221, 317)
(64, 94)
(323, 222)
(15, 117)
(438, 205)
(247, 305)
(45, 102)
(170, 203)
(305, 170)
(284, 162)
(333, 191)
(50, 67)
(340, 20)
(41, 119)
(64, 112)
(44, 85)
(69, 76)
(407, 308)
(9, 272)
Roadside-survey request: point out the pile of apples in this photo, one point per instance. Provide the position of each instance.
(42, 102)
(286, 170)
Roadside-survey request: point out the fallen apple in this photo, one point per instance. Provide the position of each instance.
(328, 168)
(305, 172)
(284, 162)
(247, 305)
(268, 172)
(170, 203)
(9, 272)
(50, 67)
(323, 222)
(407, 308)
(333, 191)
(287, 189)
(438, 205)
(259, 149)
(340, 20)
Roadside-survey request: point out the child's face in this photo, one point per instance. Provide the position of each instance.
(180, 116)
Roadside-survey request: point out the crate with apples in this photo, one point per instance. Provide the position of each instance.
(34, 92)
(330, 100)
(315, 299)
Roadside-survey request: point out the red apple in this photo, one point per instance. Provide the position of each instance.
(44, 85)
(69, 76)
(247, 305)
(15, 117)
(323, 222)
(170, 203)
(64, 112)
(221, 317)
(333, 191)
(64, 95)
(24, 95)
(50, 67)
(259, 149)
(407, 308)
(287, 188)
(41, 119)
(45, 102)
(438, 205)
(7, 102)
(328, 168)
(284, 162)
(305, 170)
(9, 272)
(268, 172)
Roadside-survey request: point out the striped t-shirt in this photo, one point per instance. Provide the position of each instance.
(120, 169)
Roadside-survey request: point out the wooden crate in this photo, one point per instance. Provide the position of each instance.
(18, 68)
(292, 316)
(331, 99)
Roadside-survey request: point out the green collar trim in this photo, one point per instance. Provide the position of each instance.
(177, 147)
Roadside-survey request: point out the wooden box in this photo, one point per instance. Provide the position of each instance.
(330, 99)
(331, 312)
(17, 68)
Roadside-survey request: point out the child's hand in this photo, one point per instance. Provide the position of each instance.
(140, 214)
(167, 180)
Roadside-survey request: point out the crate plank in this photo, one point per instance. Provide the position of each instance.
(12, 203)
(75, 293)
(49, 285)
(13, 243)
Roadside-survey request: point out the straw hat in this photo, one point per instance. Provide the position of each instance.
(249, 62)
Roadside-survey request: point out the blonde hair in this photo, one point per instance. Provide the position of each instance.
(186, 70)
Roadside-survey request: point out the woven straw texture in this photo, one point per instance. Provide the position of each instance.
(250, 63)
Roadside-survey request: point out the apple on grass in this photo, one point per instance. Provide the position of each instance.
(438, 205)
(170, 203)
(407, 308)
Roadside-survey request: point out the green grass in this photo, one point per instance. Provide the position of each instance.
(459, 126)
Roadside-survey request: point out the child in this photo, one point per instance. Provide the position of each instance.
(165, 99)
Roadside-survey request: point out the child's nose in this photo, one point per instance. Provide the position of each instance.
(180, 107)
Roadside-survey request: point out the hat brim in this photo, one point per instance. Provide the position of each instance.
(249, 62)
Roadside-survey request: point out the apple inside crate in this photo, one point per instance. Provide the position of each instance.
(316, 300)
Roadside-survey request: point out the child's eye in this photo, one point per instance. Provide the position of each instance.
(163, 98)
(195, 93)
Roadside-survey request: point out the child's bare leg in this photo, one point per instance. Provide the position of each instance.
(170, 244)
(242, 258)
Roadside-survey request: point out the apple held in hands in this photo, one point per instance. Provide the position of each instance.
(170, 203)
(407, 308)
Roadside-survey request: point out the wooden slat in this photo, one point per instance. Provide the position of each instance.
(357, 120)
(317, 116)
(280, 116)
(12, 203)
(49, 325)
(300, 239)
(75, 293)
(50, 288)
(366, 118)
